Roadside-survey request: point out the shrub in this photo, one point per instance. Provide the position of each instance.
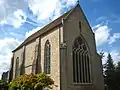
(32, 81)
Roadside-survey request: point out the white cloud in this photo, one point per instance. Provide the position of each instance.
(71, 2)
(11, 12)
(16, 19)
(114, 37)
(32, 31)
(44, 9)
(19, 18)
(102, 33)
(115, 55)
(6, 47)
(96, 26)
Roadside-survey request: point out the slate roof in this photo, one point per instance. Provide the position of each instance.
(45, 29)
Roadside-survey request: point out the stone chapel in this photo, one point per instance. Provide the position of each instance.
(66, 50)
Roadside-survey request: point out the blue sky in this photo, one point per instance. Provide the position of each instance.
(21, 18)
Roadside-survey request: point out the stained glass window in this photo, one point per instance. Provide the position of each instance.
(47, 54)
(17, 71)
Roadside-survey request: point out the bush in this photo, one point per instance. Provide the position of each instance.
(32, 81)
(3, 83)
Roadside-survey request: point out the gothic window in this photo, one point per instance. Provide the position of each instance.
(81, 62)
(47, 53)
(17, 67)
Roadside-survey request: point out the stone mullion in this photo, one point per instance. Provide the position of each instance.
(78, 60)
(77, 65)
(87, 70)
(85, 77)
(89, 65)
(82, 67)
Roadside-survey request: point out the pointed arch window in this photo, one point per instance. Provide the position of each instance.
(81, 62)
(17, 71)
(47, 61)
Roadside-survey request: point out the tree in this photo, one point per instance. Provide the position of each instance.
(117, 77)
(101, 54)
(110, 73)
(3, 84)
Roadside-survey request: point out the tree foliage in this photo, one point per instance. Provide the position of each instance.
(101, 54)
(117, 76)
(110, 73)
(32, 81)
(3, 83)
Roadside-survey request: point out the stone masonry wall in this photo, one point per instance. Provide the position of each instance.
(53, 38)
(29, 56)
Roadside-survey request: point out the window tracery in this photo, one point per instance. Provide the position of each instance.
(81, 62)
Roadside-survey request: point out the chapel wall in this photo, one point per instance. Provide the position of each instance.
(29, 56)
(53, 37)
(72, 29)
(17, 54)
